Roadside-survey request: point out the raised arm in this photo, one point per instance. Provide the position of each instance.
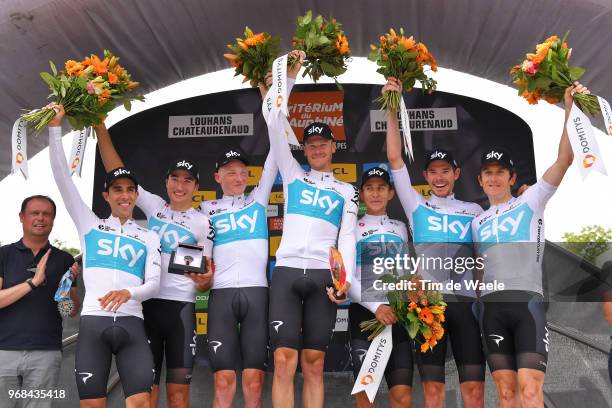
(394, 142)
(555, 173)
(266, 182)
(288, 166)
(110, 157)
(80, 213)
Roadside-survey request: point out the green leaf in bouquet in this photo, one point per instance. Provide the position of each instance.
(425, 330)
(318, 21)
(127, 105)
(542, 82)
(413, 329)
(49, 79)
(576, 73)
(531, 84)
(306, 19)
(322, 40)
(412, 317)
(564, 39)
(331, 70)
(246, 68)
(53, 69)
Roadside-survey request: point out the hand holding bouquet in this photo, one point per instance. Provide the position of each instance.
(405, 59)
(325, 44)
(420, 311)
(253, 56)
(546, 74)
(88, 90)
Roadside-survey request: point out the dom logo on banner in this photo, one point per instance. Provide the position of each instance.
(584, 144)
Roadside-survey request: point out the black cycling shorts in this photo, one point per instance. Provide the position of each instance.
(301, 313)
(99, 338)
(400, 365)
(461, 326)
(238, 326)
(514, 330)
(170, 327)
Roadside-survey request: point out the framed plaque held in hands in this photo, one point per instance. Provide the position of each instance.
(187, 258)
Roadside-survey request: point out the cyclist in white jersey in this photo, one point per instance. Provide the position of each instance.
(238, 303)
(440, 227)
(320, 212)
(510, 236)
(121, 269)
(377, 230)
(170, 316)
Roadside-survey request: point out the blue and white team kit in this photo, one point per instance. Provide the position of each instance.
(320, 212)
(392, 235)
(170, 317)
(441, 229)
(238, 302)
(510, 237)
(115, 256)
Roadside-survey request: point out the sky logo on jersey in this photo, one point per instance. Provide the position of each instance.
(431, 226)
(313, 202)
(377, 245)
(170, 235)
(512, 226)
(279, 180)
(382, 165)
(248, 223)
(110, 251)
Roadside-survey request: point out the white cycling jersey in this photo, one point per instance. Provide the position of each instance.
(320, 212)
(173, 227)
(370, 229)
(510, 237)
(115, 256)
(441, 232)
(240, 247)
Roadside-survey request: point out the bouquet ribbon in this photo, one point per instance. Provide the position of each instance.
(584, 144)
(406, 129)
(374, 363)
(277, 97)
(79, 141)
(62, 295)
(19, 142)
(606, 113)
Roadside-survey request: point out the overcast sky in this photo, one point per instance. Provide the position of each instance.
(575, 205)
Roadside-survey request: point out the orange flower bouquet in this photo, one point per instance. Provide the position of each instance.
(420, 311)
(405, 59)
(88, 89)
(325, 44)
(546, 73)
(253, 55)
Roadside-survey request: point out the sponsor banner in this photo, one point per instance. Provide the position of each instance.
(202, 195)
(275, 224)
(274, 244)
(235, 124)
(346, 172)
(326, 107)
(202, 300)
(272, 211)
(276, 197)
(606, 113)
(279, 84)
(201, 323)
(584, 144)
(341, 320)
(405, 128)
(420, 119)
(374, 363)
(254, 175)
(79, 142)
(19, 142)
(423, 189)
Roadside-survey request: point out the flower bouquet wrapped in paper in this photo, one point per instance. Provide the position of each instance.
(253, 55)
(88, 89)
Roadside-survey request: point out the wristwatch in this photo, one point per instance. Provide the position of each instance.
(32, 285)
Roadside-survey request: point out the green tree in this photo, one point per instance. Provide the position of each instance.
(62, 245)
(590, 242)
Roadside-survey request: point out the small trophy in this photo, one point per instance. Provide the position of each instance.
(187, 258)
(338, 272)
(65, 305)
